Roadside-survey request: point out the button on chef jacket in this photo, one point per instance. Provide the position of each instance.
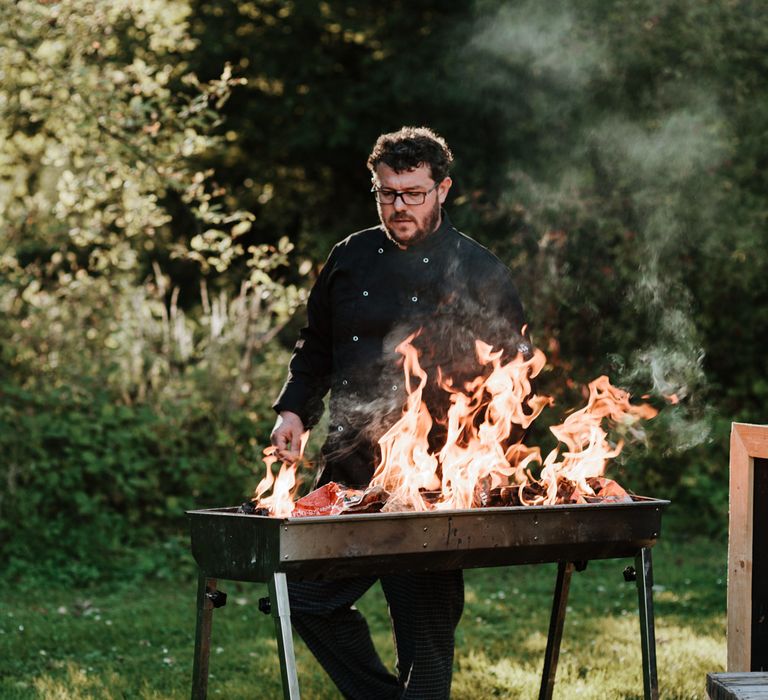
(370, 296)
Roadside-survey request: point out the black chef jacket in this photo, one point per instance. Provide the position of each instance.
(371, 295)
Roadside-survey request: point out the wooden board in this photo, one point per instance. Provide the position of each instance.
(737, 686)
(748, 443)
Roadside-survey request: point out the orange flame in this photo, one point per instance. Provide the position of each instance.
(280, 502)
(504, 399)
(480, 452)
(407, 466)
(481, 420)
(586, 441)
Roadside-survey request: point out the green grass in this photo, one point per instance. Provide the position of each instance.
(135, 640)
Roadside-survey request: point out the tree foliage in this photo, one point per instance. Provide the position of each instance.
(122, 338)
(103, 198)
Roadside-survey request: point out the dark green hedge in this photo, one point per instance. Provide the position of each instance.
(86, 479)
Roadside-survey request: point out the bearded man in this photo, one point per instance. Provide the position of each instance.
(412, 272)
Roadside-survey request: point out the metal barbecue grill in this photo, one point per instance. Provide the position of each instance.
(235, 546)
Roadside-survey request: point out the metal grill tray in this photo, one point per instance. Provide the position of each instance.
(231, 545)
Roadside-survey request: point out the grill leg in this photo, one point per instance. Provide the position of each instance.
(647, 632)
(556, 623)
(278, 593)
(202, 637)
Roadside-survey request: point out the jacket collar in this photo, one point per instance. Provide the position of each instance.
(436, 240)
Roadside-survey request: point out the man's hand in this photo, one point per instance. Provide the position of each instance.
(286, 436)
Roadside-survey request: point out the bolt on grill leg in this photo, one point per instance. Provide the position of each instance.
(556, 623)
(202, 637)
(281, 611)
(644, 569)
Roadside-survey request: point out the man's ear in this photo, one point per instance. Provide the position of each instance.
(442, 189)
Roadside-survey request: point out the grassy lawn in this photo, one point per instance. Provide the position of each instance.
(136, 640)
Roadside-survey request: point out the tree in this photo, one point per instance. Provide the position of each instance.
(131, 364)
(103, 195)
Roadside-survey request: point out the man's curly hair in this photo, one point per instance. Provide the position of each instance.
(411, 147)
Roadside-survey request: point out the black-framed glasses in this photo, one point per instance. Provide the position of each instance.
(410, 198)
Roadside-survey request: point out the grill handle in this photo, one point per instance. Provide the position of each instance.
(265, 605)
(218, 598)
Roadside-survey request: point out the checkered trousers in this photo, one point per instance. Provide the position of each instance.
(425, 609)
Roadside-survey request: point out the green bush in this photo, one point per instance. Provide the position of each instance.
(86, 478)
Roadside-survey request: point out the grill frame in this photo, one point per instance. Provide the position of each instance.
(236, 546)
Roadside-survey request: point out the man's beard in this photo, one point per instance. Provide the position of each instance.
(422, 232)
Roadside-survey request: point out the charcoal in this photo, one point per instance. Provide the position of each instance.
(373, 507)
(533, 493)
(250, 508)
(505, 496)
(482, 496)
(247, 508)
(372, 500)
(431, 497)
(565, 491)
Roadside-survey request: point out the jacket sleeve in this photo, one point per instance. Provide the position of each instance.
(502, 321)
(511, 308)
(310, 367)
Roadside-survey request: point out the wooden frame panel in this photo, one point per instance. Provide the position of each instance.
(748, 443)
